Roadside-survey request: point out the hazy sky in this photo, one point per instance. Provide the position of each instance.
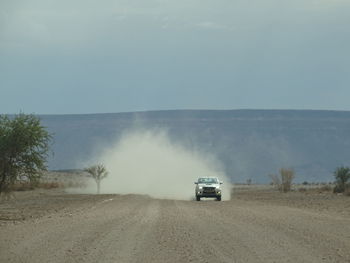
(87, 56)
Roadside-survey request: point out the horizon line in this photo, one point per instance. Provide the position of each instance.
(178, 110)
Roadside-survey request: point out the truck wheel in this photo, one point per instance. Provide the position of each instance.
(218, 198)
(198, 198)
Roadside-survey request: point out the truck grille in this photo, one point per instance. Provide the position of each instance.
(208, 189)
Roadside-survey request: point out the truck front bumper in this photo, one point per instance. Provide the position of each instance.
(216, 193)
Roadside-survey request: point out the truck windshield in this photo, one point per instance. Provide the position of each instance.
(207, 180)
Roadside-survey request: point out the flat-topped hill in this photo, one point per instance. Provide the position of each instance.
(249, 143)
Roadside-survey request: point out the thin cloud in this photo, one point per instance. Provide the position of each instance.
(212, 26)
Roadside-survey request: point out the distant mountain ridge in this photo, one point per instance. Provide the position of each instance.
(249, 143)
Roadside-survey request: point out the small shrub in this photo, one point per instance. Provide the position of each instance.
(342, 176)
(342, 189)
(302, 189)
(338, 189)
(347, 191)
(326, 188)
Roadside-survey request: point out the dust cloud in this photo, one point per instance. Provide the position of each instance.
(147, 162)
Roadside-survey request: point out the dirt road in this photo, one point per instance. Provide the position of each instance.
(141, 229)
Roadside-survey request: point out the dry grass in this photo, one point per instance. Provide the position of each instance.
(52, 180)
(27, 186)
(50, 185)
(66, 179)
(22, 186)
(313, 197)
(316, 188)
(302, 189)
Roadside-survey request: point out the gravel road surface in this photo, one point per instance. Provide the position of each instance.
(135, 228)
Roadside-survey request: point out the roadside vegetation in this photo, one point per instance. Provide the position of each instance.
(313, 188)
(342, 178)
(98, 173)
(24, 148)
(283, 181)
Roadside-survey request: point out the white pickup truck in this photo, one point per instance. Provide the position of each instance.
(208, 187)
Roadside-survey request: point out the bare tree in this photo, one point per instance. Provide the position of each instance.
(284, 180)
(275, 181)
(249, 181)
(287, 176)
(98, 172)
